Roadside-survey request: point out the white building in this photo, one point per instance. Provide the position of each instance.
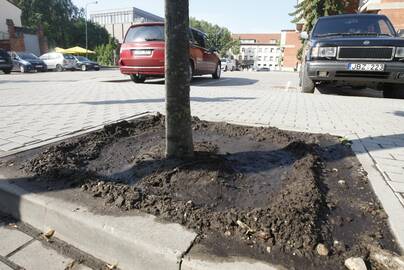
(117, 22)
(8, 11)
(260, 50)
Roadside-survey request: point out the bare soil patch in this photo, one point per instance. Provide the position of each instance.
(247, 191)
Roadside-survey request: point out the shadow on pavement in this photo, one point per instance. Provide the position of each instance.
(399, 113)
(349, 91)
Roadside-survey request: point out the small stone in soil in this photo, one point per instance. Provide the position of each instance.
(355, 264)
(322, 250)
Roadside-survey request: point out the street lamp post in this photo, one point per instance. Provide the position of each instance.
(89, 3)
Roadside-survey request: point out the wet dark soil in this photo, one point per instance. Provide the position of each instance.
(247, 191)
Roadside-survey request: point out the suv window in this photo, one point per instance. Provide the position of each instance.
(353, 25)
(145, 33)
(199, 38)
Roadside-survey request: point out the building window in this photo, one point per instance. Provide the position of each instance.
(272, 50)
(266, 50)
(243, 50)
(271, 58)
(265, 65)
(245, 57)
(259, 65)
(265, 58)
(260, 50)
(259, 58)
(251, 57)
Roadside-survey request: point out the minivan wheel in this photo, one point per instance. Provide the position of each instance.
(191, 72)
(393, 91)
(307, 84)
(137, 78)
(59, 68)
(218, 72)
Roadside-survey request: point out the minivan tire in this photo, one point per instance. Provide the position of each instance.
(307, 84)
(7, 71)
(393, 91)
(59, 68)
(137, 78)
(218, 72)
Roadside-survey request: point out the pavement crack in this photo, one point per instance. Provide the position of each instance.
(10, 263)
(188, 250)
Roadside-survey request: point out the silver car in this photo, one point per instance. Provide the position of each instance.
(59, 61)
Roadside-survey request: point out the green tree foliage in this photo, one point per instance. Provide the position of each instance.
(106, 53)
(217, 37)
(311, 10)
(63, 22)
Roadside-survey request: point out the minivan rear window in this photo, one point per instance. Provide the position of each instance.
(145, 33)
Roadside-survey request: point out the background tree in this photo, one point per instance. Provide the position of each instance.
(62, 21)
(311, 10)
(106, 54)
(217, 37)
(179, 142)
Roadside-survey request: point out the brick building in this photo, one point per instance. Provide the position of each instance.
(14, 37)
(394, 9)
(290, 44)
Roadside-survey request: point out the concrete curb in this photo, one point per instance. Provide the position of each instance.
(384, 193)
(134, 242)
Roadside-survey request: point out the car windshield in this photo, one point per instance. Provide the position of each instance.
(82, 58)
(68, 56)
(145, 33)
(223, 60)
(358, 25)
(27, 56)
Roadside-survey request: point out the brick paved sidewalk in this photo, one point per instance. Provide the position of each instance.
(42, 112)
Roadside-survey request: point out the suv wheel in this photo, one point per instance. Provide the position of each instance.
(7, 71)
(393, 91)
(137, 78)
(307, 84)
(59, 68)
(218, 72)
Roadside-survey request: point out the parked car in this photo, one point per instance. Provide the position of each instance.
(84, 64)
(143, 53)
(263, 69)
(6, 65)
(359, 50)
(26, 62)
(59, 61)
(228, 64)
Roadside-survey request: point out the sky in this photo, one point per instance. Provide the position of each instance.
(239, 16)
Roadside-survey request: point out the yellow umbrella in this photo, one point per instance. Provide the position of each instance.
(78, 50)
(60, 50)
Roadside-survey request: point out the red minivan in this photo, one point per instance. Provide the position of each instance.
(142, 53)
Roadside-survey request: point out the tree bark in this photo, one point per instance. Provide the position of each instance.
(179, 142)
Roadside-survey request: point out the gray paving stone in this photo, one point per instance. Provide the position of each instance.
(37, 257)
(11, 240)
(10, 146)
(4, 267)
(395, 177)
(397, 187)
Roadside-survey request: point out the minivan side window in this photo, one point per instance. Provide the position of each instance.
(199, 38)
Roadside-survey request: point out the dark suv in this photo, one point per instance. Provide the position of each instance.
(359, 50)
(6, 65)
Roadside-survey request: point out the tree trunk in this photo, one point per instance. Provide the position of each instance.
(178, 108)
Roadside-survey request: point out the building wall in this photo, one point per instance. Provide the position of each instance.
(9, 11)
(394, 9)
(117, 22)
(291, 44)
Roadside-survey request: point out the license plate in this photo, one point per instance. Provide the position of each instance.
(142, 52)
(366, 67)
(39, 66)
